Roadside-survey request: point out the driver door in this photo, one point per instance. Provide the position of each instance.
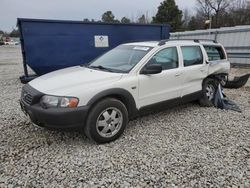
(164, 86)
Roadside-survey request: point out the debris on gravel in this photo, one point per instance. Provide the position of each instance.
(186, 146)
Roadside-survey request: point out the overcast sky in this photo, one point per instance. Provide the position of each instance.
(77, 9)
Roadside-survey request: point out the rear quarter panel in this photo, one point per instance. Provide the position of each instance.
(219, 67)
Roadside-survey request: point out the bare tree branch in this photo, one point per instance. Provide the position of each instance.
(204, 7)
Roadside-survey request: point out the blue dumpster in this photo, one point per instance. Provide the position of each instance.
(49, 45)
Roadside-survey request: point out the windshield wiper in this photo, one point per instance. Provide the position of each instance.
(100, 67)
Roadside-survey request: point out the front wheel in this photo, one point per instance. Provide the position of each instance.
(209, 87)
(106, 121)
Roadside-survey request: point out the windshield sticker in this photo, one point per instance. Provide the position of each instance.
(141, 48)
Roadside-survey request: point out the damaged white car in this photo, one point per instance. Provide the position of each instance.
(129, 80)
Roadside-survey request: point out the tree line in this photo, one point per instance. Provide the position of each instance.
(207, 14)
(13, 33)
(221, 13)
(109, 17)
(168, 13)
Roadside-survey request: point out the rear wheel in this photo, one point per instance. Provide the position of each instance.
(208, 92)
(106, 121)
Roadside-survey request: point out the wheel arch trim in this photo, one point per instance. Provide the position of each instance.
(120, 94)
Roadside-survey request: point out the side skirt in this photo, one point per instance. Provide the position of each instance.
(157, 107)
(191, 97)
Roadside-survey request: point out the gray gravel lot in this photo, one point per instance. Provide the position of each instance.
(187, 146)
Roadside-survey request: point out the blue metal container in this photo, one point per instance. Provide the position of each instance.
(48, 45)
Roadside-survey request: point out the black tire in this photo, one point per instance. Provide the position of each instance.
(206, 100)
(99, 113)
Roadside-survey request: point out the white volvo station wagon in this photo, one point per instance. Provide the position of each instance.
(129, 80)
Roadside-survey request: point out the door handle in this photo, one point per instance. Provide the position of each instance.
(177, 74)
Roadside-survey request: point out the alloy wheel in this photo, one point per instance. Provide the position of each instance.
(210, 91)
(109, 122)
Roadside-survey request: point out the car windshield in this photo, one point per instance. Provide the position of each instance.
(121, 59)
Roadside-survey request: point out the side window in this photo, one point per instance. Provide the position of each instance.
(214, 53)
(167, 58)
(192, 55)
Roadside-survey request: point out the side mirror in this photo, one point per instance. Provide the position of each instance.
(152, 69)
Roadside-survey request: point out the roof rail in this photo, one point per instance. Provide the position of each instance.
(162, 42)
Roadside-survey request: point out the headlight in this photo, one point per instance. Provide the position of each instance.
(54, 101)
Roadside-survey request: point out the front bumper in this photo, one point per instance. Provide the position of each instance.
(53, 117)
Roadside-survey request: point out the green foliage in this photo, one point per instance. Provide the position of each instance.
(86, 20)
(125, 20)
(142, 19)
(169, 13)
(108, 17)
(14, 33)
(116, 21)
(194, 24)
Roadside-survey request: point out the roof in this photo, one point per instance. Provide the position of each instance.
(171, 42)
(146, 43)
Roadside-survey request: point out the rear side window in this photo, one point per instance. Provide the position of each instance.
(192, 55)
(214, 53)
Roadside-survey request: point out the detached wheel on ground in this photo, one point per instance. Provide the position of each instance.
(209, 87)
(106, 120)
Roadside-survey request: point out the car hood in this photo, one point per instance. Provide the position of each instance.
(66, 81)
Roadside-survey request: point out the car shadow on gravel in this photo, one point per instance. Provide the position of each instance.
(162, 112)
(49, 136)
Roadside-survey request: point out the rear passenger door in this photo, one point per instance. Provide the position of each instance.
(194, 69)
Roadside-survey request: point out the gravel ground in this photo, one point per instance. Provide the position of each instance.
(187, 146)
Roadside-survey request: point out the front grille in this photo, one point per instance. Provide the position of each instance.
(27, 97)
(30, 95)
